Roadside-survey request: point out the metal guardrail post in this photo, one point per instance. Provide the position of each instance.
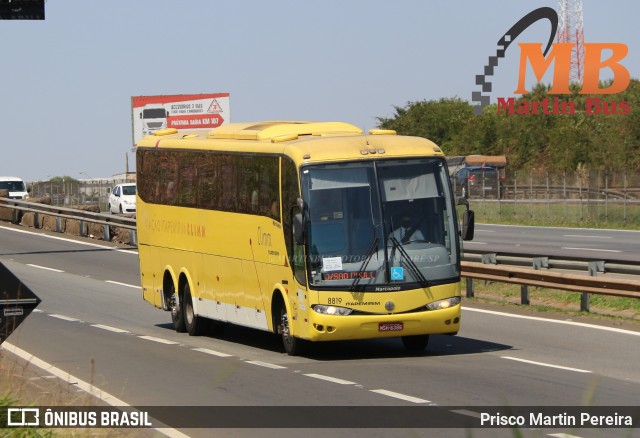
(537, 264)
(469, 287)
(106, 233)
(36, 220)
(58, 225)
(133, 238)
(83, 229)
(524, 295)
(594, 268)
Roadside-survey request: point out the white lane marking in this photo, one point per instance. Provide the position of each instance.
(123, 284)
(85, 386)
(543, 364)
(609, 230)
(477, 243)
(266, 365)
(160, 340)
(555, 321)
(127, 251)
(587, 237)
(44, 267)
(591, 249)
(37, 311)
(330, 379)
(109, 328)
(400, 396)
(66, 318)
(212, 352)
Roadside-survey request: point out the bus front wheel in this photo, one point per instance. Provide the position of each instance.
(292, 346)
(415, 343)
(194, 324)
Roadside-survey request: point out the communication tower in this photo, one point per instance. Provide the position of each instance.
(571, 30)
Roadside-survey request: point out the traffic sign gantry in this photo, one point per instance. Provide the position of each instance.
(17, 301)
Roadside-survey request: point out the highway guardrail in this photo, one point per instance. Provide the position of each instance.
(84, 217)
(508, 267)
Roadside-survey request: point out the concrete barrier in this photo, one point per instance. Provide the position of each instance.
(68, 226)
(6, 214)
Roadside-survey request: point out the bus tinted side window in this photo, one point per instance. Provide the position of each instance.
(210, 180)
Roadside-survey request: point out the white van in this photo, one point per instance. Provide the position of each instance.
(16, 187)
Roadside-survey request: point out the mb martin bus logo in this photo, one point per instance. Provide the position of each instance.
(560, 54)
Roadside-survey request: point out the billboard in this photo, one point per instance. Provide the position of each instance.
(179, 111)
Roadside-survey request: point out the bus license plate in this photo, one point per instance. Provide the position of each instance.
(390, 326)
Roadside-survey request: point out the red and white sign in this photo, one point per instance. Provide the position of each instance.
(180, 111)
(197, 121)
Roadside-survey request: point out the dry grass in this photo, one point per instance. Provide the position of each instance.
(24, 384)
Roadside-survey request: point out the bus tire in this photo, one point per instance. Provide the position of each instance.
(292, 346)
(175, 306)
(195, 325)
(415, 343)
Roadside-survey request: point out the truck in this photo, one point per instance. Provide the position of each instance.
(154, 117)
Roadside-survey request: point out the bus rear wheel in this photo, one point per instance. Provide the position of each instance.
(177, 316)
(415, 343)
(292, 346)
(194, 324)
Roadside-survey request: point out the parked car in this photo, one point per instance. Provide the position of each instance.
(122, 198)
(478, 181)
(16, 187)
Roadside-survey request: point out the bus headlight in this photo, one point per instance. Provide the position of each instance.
(331, 310)
(443, 304)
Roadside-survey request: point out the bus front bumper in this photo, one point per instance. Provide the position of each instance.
(337, 328)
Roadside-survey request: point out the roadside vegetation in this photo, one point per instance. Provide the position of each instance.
(557, 214)
(549, 142)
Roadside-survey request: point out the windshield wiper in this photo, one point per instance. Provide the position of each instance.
(372, 249)
(410, 264)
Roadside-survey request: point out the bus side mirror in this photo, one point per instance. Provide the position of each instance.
(298, 229)
(468, 220)
(468, 225)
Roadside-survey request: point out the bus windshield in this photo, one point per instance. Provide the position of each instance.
(380, 224)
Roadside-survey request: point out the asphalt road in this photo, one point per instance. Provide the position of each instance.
(584, 242)
(93, 324)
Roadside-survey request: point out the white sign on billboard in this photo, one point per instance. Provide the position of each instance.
(179, 111)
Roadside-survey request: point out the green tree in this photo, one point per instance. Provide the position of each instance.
(609, 140)
(438, 121)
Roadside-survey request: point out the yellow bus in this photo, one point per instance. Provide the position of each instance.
(313, 231)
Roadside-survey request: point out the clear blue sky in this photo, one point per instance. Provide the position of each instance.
(66, 82)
